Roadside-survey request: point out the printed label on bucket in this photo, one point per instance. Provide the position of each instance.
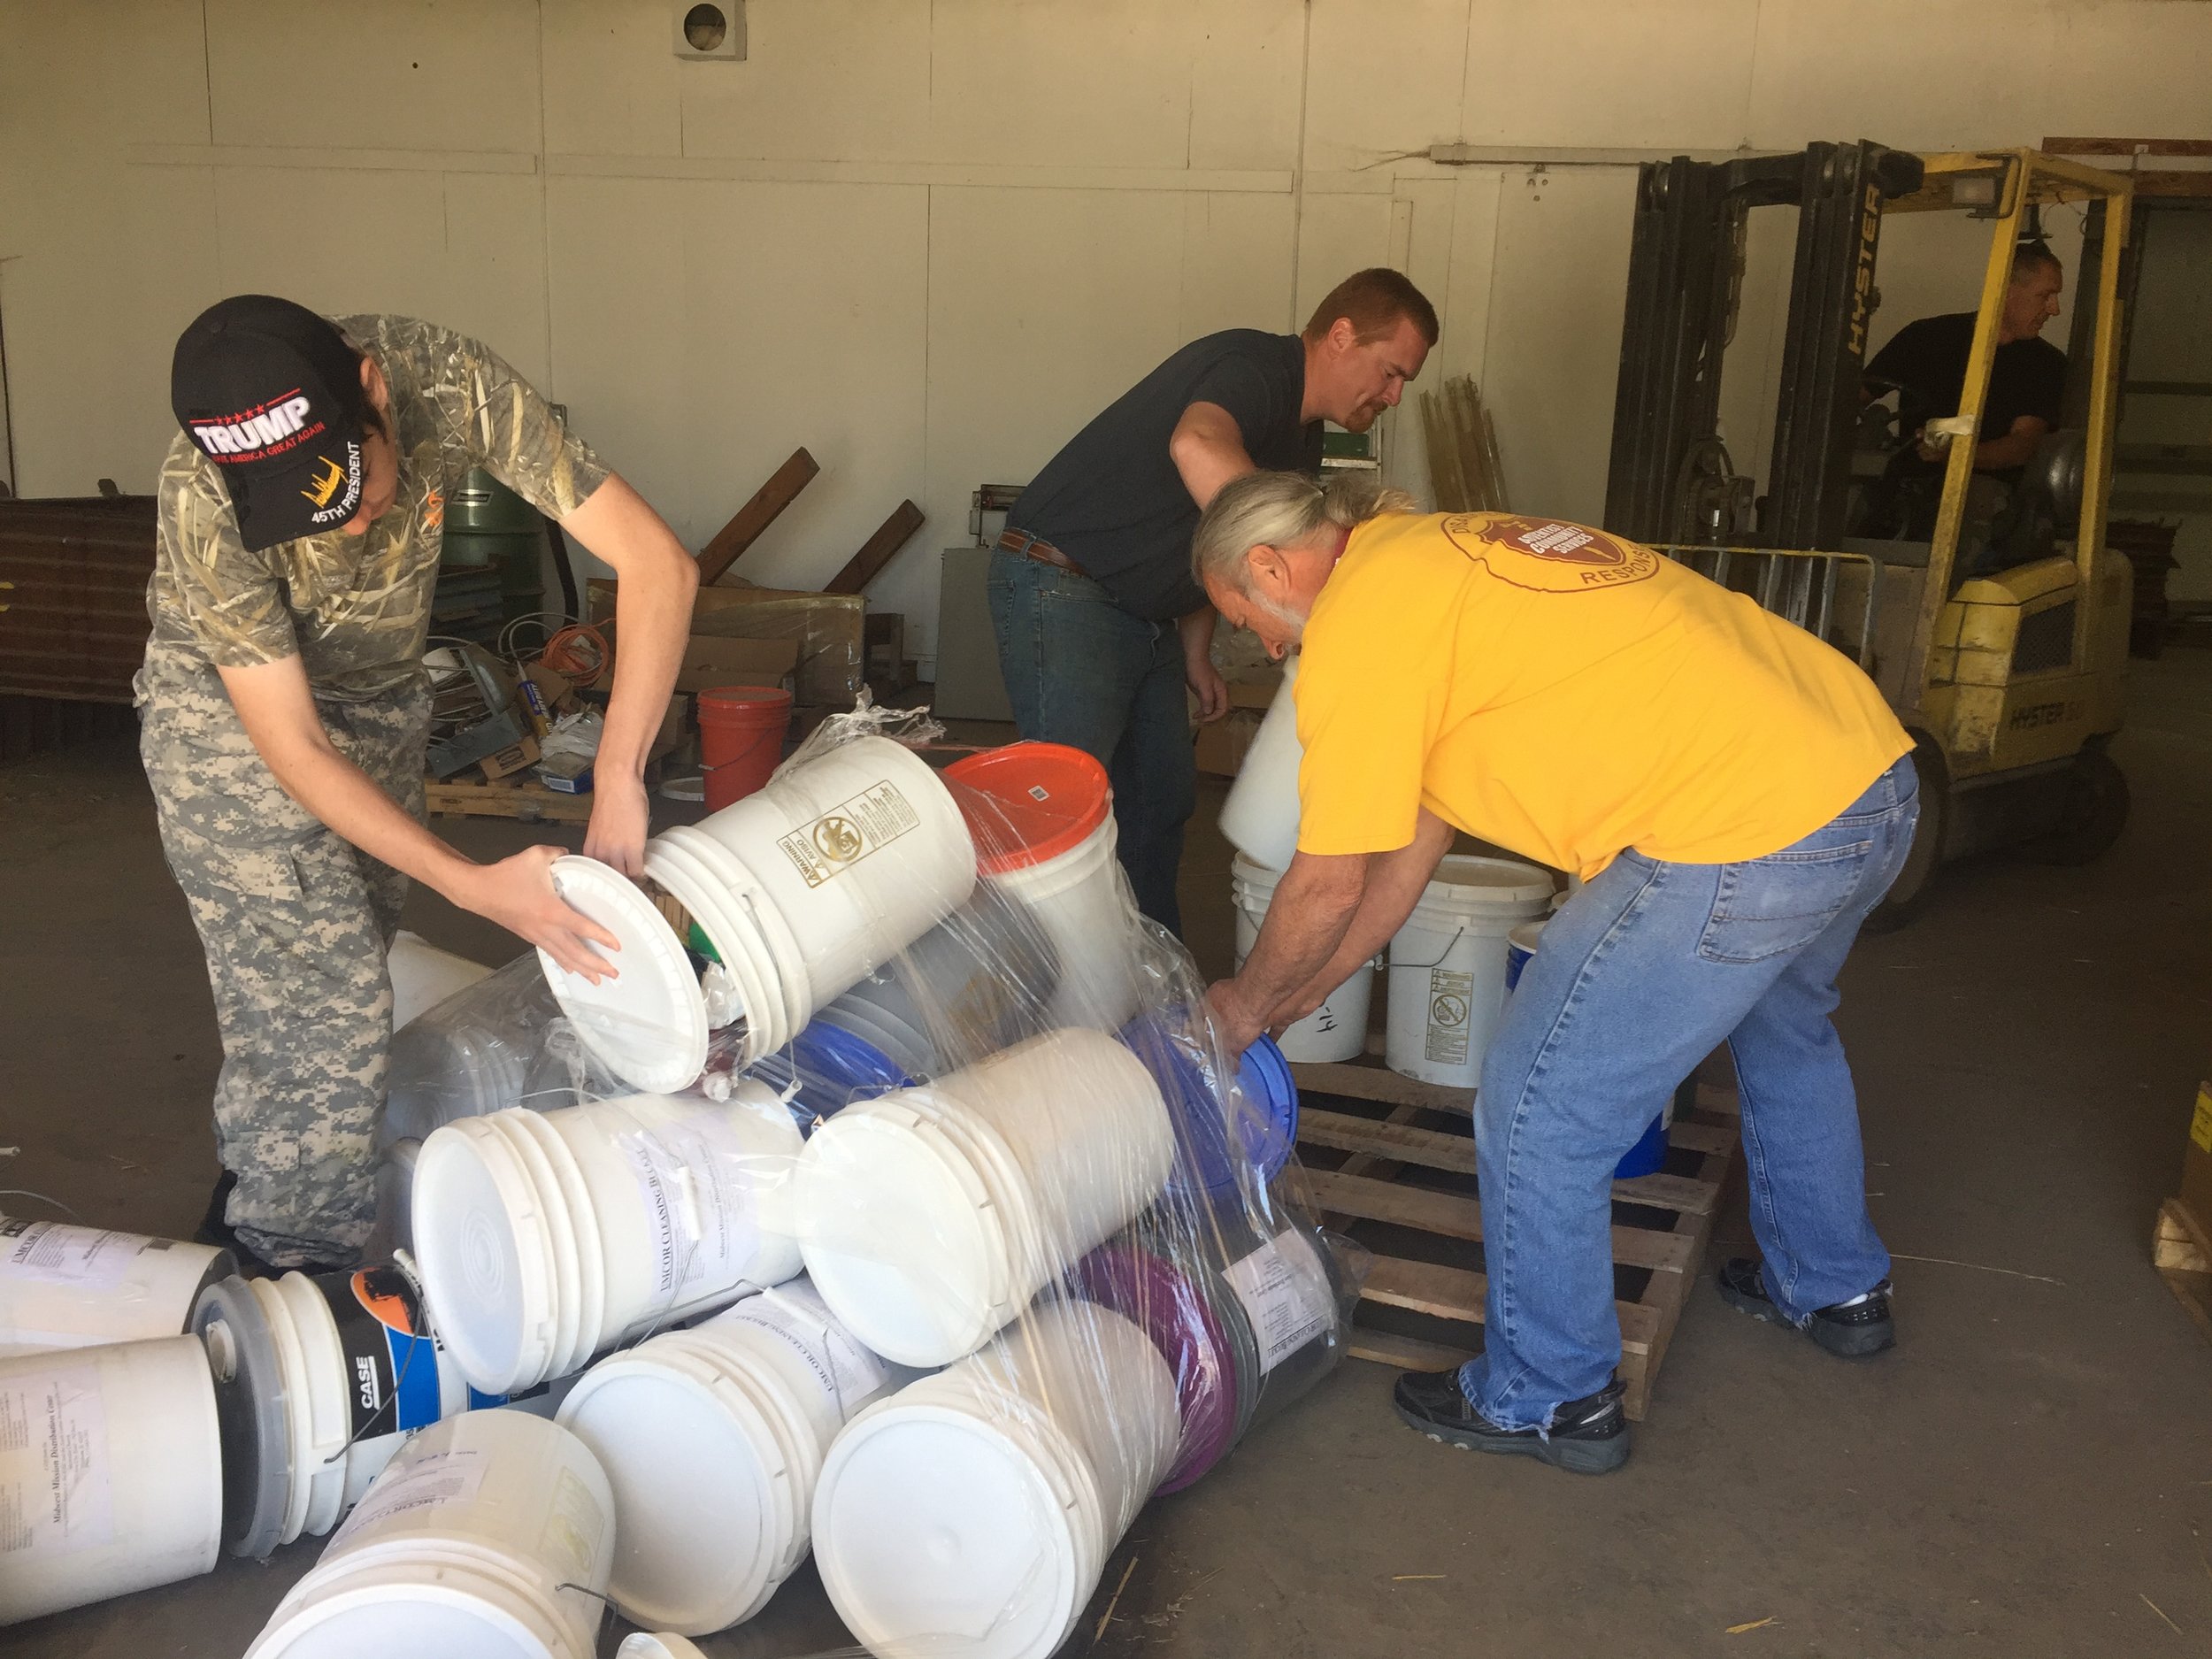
(848, 833)
(55, 1253)
(1285, 1295)
(54, 1476)
(1451, 998)
(450, 1477)
(391, 1370)
(844, 1371)
(692, 1175)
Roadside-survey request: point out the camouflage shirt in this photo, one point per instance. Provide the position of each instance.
(357, 609)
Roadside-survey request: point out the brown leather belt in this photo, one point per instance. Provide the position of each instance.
(1044, 552)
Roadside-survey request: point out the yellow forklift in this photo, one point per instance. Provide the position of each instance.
(2002, 637)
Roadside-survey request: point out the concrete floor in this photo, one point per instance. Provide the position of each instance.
(2030, 1473)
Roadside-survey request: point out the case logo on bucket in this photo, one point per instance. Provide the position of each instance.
(1450, 997)
(849, 833)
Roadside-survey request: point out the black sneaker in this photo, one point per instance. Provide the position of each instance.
(1588, 1437)
(1850, 1330)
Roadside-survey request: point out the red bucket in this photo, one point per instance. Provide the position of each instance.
(741, 739)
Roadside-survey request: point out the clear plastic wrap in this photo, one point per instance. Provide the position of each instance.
(1029, 1174)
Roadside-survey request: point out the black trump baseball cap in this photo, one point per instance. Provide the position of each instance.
(271, 394)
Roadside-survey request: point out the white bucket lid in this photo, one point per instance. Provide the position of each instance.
(705, 1505)
(649, 1023)
(492, 1285)
(901, 1235)
(658, 1644)
(1525, 936)
(933, 1521)
(1466, 884)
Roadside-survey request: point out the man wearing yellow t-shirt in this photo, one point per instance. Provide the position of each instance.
(1736, 796)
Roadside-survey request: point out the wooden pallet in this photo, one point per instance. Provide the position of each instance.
(2181, 1249)
(510, 797)
(1407, 1191)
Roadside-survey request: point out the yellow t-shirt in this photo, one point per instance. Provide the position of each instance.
(1567, 693)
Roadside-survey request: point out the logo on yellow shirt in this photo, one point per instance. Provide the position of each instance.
(1548, 555)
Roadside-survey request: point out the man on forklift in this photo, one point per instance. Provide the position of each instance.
(1924, 363)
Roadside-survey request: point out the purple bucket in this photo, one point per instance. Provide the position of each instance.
(1167, 1306)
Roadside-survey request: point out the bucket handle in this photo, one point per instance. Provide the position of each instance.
(1424, 967)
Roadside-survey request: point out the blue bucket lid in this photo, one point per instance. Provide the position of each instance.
(833, 1068)
(1265, 1115)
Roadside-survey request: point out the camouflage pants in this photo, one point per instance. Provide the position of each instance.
(295, 923)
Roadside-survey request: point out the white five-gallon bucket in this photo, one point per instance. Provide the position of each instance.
(801, 888)
(110, 1473)
(488, 1537)
(712, 1439)
(546, 1237)
(424, 976)
(1042, 816)
(68, 1286)
(316, 1379)
(1260, 817)
(468, 1055)
(929, 1217)
(1337, 1029)
(1448, 966)
(970, 1514)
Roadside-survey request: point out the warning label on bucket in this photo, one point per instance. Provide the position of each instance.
(848, 833)
(695, 1177)
(54, 1496)
(1285, 1291)
(843, 1371)
(56, 1253)
(1451, 996)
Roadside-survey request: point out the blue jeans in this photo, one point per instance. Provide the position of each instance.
(1081, 670)
(1640, 975)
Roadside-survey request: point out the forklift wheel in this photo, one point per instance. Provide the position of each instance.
(1907, 895)
(2094, 812)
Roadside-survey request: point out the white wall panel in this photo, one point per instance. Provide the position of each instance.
(1917, 77)
(1045, 306)
(1599, 73)
(611, 79)
(845, 80)
(805, 324)
(1337, 235)
(397, 74)
(1553, 353)
(1095, 83)
(1382, 81)
(621, 336)
(1236, 264)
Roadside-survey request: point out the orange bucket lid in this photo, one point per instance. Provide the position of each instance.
(1049, 796)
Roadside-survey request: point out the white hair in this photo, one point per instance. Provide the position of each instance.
(1281, 510)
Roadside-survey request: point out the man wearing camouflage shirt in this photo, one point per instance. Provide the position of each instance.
(285, 712)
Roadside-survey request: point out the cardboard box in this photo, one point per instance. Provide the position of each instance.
(510, 759)
(1258, 692)
(2196, 1160)
(1222, 745)
(709, 661)
(826, 628)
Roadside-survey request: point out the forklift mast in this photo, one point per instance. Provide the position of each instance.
(1685, 272)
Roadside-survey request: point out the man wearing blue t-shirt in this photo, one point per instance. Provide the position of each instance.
(1100, 626)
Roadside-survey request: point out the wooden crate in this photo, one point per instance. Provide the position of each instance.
(516, 798)
(1406, 1189)
(2181, 1249)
